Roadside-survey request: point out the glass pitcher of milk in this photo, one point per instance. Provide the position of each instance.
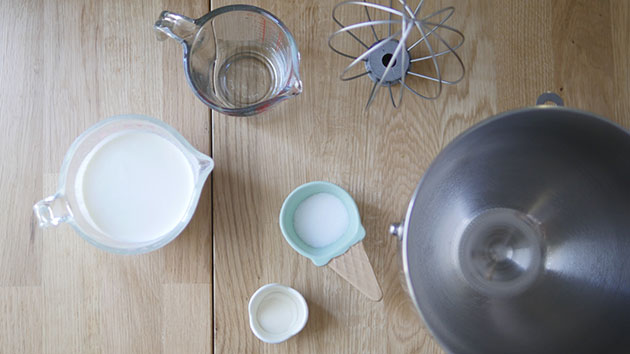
(129, 184)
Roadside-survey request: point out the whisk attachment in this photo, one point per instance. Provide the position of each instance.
(388, 60)
(376, 64)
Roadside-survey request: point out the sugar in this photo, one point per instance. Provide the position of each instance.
(320, 220)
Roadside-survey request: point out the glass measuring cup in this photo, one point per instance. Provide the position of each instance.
(239, 59)
(69, 203)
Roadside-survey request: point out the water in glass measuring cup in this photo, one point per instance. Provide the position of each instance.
(253, 70)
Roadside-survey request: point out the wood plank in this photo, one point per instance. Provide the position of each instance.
(513, 52)
(583, 56)
(522, 38)
(21, 115)
(620, 31)
(65, 66)
(21, 324)
(185, 314)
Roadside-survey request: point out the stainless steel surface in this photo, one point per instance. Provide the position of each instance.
(401, 40)
(517, 239)
(550, 97)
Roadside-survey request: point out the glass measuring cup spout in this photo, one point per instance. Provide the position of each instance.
(239, 60)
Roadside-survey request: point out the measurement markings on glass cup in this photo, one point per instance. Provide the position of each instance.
(263, 23)
(280, 35)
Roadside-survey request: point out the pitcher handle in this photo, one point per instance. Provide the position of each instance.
(52, 211)
(178, 27)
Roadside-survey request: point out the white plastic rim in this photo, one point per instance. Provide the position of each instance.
(277, 313)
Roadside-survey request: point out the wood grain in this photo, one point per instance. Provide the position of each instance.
(65, 66)
(68, 64)
(21, 322)
(186, 325)
(620, 32)
(21, 70)
(514, 51)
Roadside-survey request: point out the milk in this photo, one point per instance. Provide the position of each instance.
(320, 220)
(277, 313)
(135, 186)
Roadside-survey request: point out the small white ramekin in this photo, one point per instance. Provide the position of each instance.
(277, 313)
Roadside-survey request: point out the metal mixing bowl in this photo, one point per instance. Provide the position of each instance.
(517, 239)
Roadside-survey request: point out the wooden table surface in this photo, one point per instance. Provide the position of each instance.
(65, 65)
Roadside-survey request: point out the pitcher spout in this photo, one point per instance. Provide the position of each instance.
(206, 165)
(295, 86)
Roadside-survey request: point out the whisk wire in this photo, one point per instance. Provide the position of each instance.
(389, 26)
(433, 58)
(449, 48)
(348, 29)
(355, 76)
(384, 54)
(459, 59)
(371, 50)
(367, 13)
(436, 26)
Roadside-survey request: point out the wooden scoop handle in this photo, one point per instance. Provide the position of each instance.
(354, 266)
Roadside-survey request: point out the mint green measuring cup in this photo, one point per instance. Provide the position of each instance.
(321, 256)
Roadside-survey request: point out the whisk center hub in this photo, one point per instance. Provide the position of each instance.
(386, 59)
(382, 54)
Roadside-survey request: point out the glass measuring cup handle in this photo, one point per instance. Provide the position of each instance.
(52, 211)
(178, 27)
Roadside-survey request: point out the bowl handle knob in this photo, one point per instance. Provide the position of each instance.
(549, 97)
(396, 229)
